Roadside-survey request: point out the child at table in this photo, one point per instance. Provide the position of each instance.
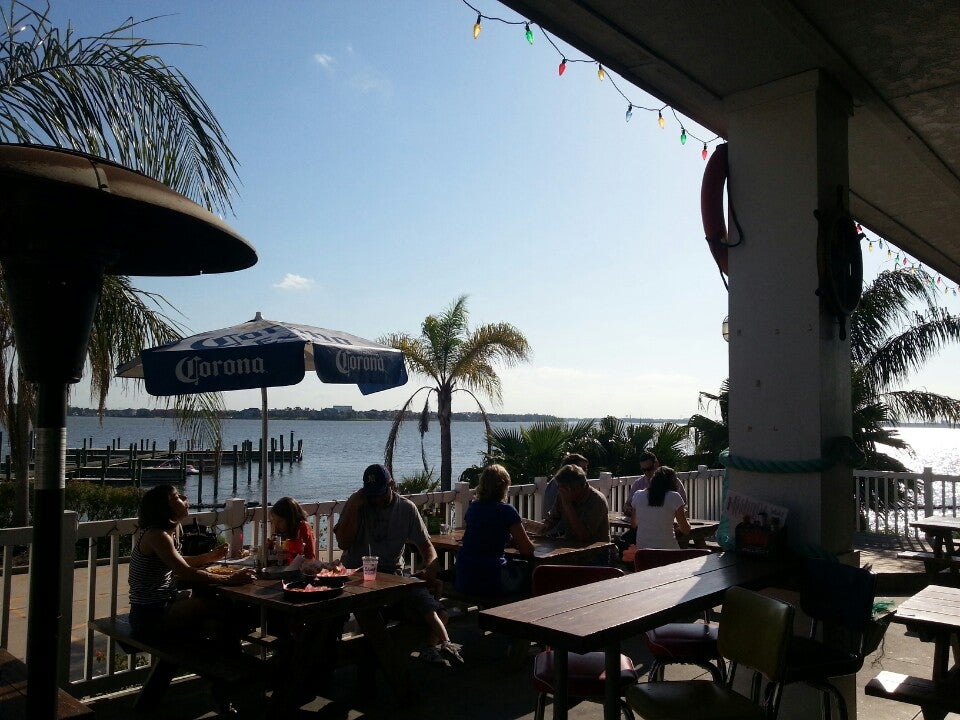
(491, 524)
(289, 520)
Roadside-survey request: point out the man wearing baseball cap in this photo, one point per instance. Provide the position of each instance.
(377, 521)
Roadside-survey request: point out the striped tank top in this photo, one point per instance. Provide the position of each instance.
(151, 581)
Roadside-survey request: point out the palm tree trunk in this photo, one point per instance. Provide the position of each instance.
(444, 396)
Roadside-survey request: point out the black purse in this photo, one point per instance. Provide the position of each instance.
(197, 539)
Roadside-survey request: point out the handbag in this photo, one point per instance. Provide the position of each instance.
(197, 539)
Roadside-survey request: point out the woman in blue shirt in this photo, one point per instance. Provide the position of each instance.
(490, 525)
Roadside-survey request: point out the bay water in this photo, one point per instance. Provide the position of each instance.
(336, 452)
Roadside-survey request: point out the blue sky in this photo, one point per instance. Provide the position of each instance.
(389, 162)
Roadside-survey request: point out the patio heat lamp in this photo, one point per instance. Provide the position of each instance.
(67, 219)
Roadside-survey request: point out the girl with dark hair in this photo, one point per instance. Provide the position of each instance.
(156, 604)
(289, 520)
(655, 510)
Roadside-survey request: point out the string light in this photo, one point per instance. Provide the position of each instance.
(601, 73)
(904, 263)
(870, 246)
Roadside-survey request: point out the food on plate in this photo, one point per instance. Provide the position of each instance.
(221, 569)
(325, 569)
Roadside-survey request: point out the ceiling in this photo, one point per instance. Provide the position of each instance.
(899, 60)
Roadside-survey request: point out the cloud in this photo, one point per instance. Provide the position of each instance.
(368, 83)
(325, 61)
(294, 282)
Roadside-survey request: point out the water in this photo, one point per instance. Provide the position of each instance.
(336, 452)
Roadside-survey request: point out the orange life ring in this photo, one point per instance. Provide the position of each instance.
(711, 206)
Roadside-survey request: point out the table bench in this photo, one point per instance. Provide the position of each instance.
(176, 658)
(914, 691)
(932, 562)
(13, 693)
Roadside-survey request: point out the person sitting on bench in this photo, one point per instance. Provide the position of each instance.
(157, 607)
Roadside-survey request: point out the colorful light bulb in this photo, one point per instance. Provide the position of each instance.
(683, 135)
(629, 111)
(938, 279)
(703, 153)
(477, 27)
(889, 252)
(529, 34)
(601, 73)
(870, 247)
(660, 121)
(563, 67)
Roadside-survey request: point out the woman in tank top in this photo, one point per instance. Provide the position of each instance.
(156, 605)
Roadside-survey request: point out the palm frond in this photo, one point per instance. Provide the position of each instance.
(396, 425)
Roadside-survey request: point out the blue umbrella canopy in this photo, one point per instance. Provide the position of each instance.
(260, 354)
(264, 353)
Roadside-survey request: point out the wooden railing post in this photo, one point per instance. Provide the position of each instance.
(540, 484)
(459, 506)
(928, 490)
(234, 514)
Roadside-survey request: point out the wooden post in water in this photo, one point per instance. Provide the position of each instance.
(281, 452)
(236, 461)
(273, 453)
(103, 469)
(299, 450)
(291, 448)
(199, 481)
(153, 449)
(249, 462)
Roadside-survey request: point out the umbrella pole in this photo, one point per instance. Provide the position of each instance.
(263, 475)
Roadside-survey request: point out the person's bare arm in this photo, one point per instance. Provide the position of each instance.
(346, 528)
(520, 539)
(429, 554)
(218, 553)
(162, 546)
(681, 517)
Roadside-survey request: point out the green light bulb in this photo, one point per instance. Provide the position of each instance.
(529, 34)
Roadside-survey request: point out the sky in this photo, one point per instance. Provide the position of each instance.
(389, 163)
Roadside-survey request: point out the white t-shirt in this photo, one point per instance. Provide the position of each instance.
(655, 524)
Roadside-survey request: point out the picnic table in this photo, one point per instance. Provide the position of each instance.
(556, 551)
(700, 529)
(363, 599)
(940, 530)
(934, 614)
(601, 615)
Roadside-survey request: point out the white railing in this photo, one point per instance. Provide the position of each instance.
(95, 585)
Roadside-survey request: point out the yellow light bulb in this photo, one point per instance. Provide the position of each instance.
(601, 73)
(660, 121)
(477, 27)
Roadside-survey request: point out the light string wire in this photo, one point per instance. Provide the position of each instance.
(603, 74)
(900, 260)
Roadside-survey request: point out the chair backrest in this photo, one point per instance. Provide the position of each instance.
(649, 558)
(551, 578)
(754, 631)
(838, 595)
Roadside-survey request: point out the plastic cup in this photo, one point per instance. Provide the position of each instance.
(370, 567)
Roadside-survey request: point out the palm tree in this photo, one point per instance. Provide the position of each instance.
(616, 446)
(455, 359)
(711, 437)
(536, 451)
(107, 95)
(889, 339)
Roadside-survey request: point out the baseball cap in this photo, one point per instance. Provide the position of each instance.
(375, 479)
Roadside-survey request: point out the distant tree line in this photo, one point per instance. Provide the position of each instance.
(299, 413)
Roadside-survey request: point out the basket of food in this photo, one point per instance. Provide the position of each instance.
(331, 574)
(308, 591)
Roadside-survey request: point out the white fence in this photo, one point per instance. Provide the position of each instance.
(96, 586)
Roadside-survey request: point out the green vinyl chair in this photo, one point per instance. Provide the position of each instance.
(754, 632)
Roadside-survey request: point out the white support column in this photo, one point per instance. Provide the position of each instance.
(789, 370)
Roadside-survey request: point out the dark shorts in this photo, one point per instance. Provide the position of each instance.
(147, 620)
(415, 606)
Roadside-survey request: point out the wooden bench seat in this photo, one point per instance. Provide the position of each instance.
(176, 658)
(481, 602)
(931, 562)
(914, 691)
(13, 693)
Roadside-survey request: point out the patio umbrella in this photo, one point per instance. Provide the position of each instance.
(264, 353)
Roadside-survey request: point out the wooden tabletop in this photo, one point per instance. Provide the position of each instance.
(357, 594)
(941, 529)
(554, 550)
(593, 616)
(935, 611)
(700, 529)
